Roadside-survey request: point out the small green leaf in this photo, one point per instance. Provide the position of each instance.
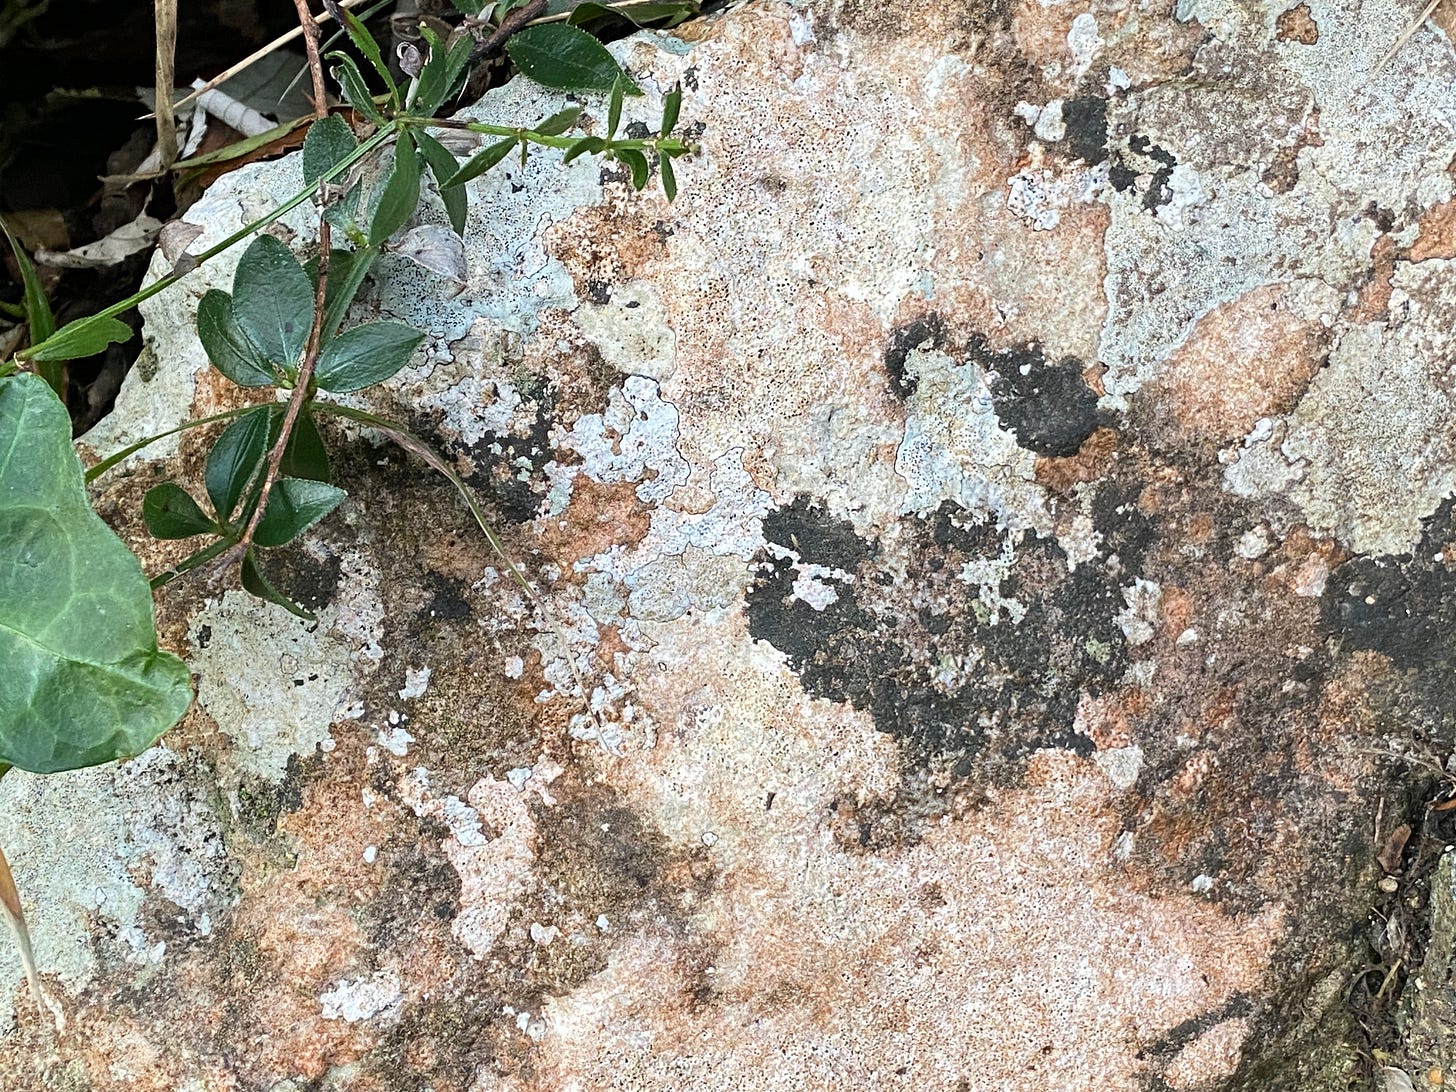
(273, 301)
(668, 13)
(345, 277)
(671, 106)
(401, 193)
(83, 681)
(638, 163)
(469, 7)
(365, 355)
(227, 346)
(356, 91)
(481, 162)
(669, 178)
(585, 144)
(295, 505)
(614, 110)
(305, 456)
(559, 122)
(329, 142)
(170, 512)
(441, 72)
(234, 458)
(566, 58)
(364, 42)
(82, 338)
(38, 314)
(442, 165)
(255, 583)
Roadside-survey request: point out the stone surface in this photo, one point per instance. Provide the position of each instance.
(1000, 513)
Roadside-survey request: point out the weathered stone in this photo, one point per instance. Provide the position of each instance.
(1001, 512)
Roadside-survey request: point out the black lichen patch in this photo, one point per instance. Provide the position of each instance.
(1404, 608)
(308, 576)
(972, 667)
(1086, 121)
(261, 803)
(926, 330)
(1143, 157)
(1047, 404)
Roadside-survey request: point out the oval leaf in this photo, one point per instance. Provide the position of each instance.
(170, 512)
(567, 59)
(305, 456)
(82, 338)
(233, 459)
(273, 301)
(83, 681)
(401, 193)
(229, 349)
(365, 355)
(294, 506)
(330, 141)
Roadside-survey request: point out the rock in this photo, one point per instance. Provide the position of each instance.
(1000, 509)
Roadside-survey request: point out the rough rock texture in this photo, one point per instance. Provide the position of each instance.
(999, 510)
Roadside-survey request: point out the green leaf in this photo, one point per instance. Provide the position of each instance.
(469, 7)
(344, 281)
(401, 193)
(566, 58)
(305, 456)
(83, 680)
(481, 162)
(37, 308)
(329, 142)
(356, 91)
(559, 122)
(170, 512)
(614, 110)
(273, 301)
(234, 458)
(365, 355)
(667, 13)
(442, 165)
(227, 346)
(82, 338)
(669, 178)
(364, 42)
(671, 106)
(294, 506)
(638, 163)
(441, 72)
(585, 144)
(255, 583)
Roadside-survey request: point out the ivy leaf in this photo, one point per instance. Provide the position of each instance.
(233, 459)
(329, 142)
(226, 344)
(442, 165)
(83, 681)
(82, 338)
(295, 505)
(273, 301)
(401, 193)
(255, 583)
(365, 355)
(170, 512)
(638, 164)
(481, 162)
(566, 58)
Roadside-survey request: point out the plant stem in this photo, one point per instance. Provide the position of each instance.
(131, 449)
(303, 385)
(513, 22)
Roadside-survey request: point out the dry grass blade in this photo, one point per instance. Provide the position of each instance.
(253, 58)
(1405, 35)
(10, 901)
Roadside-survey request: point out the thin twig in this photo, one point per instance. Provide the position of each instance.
(165, 17)
(304, 380)
(509, 25)
(1405, 35)
(254, 57)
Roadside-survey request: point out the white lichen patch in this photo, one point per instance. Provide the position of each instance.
(634, 440)
(87, 846)
(363, 998)
(1138, 619)
(631, 332)
(955, 448)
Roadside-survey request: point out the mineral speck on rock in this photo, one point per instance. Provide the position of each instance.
(1001, 512)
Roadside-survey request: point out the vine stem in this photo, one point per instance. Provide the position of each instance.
(304, 383)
